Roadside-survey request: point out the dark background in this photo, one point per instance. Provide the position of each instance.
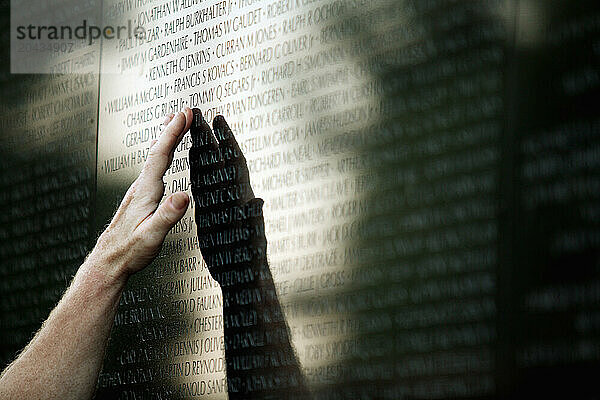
(489, 133)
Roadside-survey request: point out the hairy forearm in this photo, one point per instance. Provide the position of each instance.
(64, 358)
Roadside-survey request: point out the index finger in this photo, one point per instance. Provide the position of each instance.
(161, 154)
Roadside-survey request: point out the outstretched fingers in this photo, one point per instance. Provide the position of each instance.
(202, 136)
(217, 163)
(204, 153)
(232, 154)
(161, 153)
(227, 141)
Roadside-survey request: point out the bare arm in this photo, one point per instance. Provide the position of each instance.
(64, 358)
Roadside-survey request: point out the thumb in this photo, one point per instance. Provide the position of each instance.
(169, 213)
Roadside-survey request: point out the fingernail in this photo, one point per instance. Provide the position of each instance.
(168, 118)
(180, 200)
(178, 115)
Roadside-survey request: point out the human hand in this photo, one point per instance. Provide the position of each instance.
(136, 233)
(229, 218)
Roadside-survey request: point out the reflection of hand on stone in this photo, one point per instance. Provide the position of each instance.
(232, 240)
(229, 217)
(138, 229)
